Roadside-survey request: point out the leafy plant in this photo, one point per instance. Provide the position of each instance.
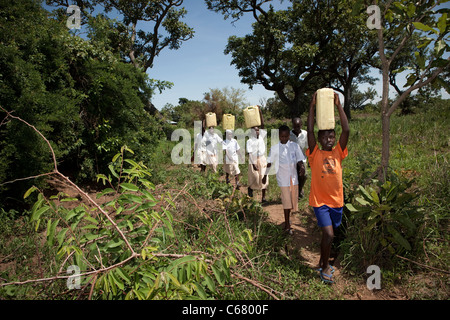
(385, 218)
(124, 247)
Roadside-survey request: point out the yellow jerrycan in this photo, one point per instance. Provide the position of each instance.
(325, 109)
(228, 122)
(252, 117)
(211, 120)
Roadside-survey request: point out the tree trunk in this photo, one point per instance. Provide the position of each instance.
(385, 125)
(385, 149)
(347, 100)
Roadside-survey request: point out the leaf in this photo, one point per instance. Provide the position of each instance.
(220, 276)
(375, 197)
(439, 47)
(442, 23)
(117, 282)
(423, 27)
(29, 191)
(201, 292)
(411, 10)
(114, 173)
(129, 187)
(61, 235)
(51, 232)
(37, 214)
(122, 274)
(114, 244)
(362, 201)
(210, 283)
(365, 193)
(420, 60)
(350, 207)
(91, 236)
(399, 238)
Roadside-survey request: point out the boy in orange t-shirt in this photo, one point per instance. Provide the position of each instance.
(327, 192)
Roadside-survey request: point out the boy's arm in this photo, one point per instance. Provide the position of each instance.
(300, 168)
(310, 124)
(344, 123)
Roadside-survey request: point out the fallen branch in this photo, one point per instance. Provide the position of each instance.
(256, 284)
(422, 265)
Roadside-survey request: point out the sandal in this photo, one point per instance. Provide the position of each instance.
(331, 267)
(323, 275)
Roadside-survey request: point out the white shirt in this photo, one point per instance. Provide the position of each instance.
(199, 143)
(231, 148)
(286, 156)
(301, 140)
(256, 147)
(211, 141)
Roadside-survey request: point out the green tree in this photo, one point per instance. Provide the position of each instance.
(162, 17)
(78, 92)
(287, 52)
(401, 20)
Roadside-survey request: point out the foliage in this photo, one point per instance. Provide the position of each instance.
(388, 212)
(124, 248)
(139, 46)
(420, 26)
(288, 54)
(78, 92)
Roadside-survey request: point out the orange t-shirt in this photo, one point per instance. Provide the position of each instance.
(326, 177)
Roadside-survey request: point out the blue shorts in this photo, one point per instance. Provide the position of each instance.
(327, 216)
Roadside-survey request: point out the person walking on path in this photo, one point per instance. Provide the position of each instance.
(256, 149)
(327, 193)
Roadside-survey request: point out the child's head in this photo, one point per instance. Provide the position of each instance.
(255, 132)
(229, 134)
(284, 133)
(297, 125)
(327, 139)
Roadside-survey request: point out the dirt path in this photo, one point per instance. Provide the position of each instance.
(306, 241)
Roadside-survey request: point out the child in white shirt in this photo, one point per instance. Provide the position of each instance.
(199, 156)
(231, 164)
(211, 139)
(288, 159)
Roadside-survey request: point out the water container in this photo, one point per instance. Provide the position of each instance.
(211, 120)
(252, 117)
(228, 122)
(325, 109)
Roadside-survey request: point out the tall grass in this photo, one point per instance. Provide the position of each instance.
(420, 150)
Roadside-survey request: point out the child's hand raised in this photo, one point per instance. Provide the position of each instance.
(337, 101)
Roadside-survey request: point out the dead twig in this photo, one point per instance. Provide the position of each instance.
(422, 265)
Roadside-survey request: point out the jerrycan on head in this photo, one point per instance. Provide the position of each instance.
(228, 122)
(252, 117)
(325, 109)
(211, 120)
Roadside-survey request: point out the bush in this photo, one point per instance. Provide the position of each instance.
(382, 221)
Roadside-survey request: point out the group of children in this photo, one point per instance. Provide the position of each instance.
(289, 157)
